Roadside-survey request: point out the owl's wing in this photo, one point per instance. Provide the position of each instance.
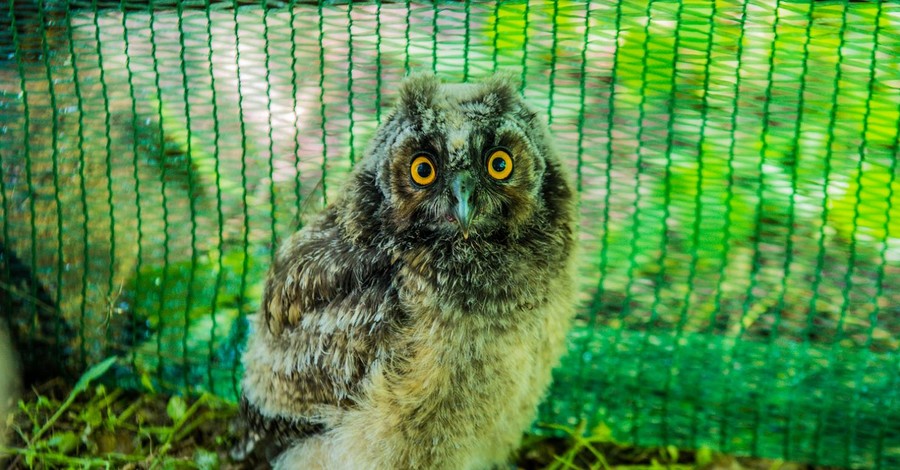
(320, 269)
(329, 306)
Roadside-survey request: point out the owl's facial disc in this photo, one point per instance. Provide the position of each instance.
(463, 212)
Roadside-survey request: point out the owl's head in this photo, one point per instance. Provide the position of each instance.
(457, 161)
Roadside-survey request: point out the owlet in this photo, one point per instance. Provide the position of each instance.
(414, 324)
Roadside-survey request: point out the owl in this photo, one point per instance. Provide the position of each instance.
(414, 324)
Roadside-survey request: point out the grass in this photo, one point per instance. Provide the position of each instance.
(92, 425)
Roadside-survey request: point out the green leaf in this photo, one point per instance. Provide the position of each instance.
(92, 417)
(92, 374)
(602, 433)
(703, 457)
(64, 442)
(176, 408)
(147, 383)
(673, 453)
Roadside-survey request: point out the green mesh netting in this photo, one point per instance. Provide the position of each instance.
(737, 165)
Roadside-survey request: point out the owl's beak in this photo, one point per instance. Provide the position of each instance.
(462, 190)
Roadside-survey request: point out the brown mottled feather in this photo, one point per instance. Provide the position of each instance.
(327, 304)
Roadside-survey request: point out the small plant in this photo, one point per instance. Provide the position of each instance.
(98, 427)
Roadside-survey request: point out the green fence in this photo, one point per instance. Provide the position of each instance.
(736, 162)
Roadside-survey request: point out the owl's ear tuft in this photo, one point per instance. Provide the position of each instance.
(502, 89)
(417, 93)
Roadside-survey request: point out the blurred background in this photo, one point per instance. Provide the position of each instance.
(736, 163)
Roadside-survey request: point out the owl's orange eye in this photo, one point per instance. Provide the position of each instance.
(422, 170)
(499, 164)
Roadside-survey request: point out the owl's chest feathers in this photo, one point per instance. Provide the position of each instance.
(500, 283)
(477, 351)
(464, 377)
